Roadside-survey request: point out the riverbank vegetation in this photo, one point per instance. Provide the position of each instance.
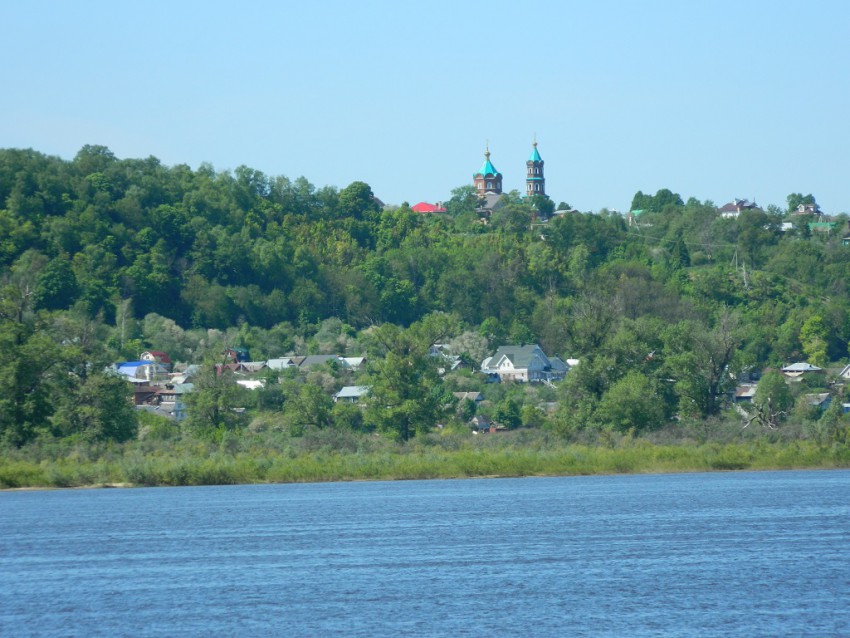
(322, 455)
(667, 310)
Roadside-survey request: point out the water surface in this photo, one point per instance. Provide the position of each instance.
(731, 554)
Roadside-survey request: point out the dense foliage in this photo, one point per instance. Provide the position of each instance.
(101, 258)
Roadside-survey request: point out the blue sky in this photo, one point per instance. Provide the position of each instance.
(713, 100)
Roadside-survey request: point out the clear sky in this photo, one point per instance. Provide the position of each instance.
(715, 100)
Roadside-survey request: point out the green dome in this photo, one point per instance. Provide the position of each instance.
(488, 168)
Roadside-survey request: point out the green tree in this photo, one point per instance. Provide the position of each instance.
(464, 201)
(35, 370)
(357, 200)
(309, 406)
(699, 358)
(56, 287)
(631, 402)
(656, 203)
(213, 406)
(543, 206)
(514, 219)
(98, 409)
(772, 400)
(813, 337)
(509, 413)
(347, 416)
(407, 395)
(466, 409)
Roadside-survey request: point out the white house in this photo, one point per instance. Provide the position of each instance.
(524, 364)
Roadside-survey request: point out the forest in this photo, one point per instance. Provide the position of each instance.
(667, 309)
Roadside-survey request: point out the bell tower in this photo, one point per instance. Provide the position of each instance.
(535, 183)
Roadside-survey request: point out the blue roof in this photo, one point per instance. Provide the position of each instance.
(133, 364)
(535, 155)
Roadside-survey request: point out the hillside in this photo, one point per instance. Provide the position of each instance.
(103, 258)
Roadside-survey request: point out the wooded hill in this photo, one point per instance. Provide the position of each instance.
(101, 258)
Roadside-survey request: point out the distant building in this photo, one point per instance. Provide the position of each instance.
(351, 394)
(735, 207)
(808, 209)
(237, 354)
(425, 207)
(535, 184)
(524, 364)
(487, 179)
(796, 370)
(142, 372)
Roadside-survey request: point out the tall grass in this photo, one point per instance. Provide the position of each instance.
(273, 457)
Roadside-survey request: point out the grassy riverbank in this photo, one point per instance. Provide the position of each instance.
(274, 458)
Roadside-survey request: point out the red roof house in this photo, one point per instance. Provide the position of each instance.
(425, 207)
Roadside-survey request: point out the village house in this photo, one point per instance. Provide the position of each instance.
(236, 354)
(425, 207)
(171, 400)
(186, 375)
(351, 394)
(735, 207)
(142, 372)
(745, 393)
(799, 369)
(481, 423)
(821, 400)
(524, 364)
(312, 360)
(353, 363)
(156, 356)
(450, 362)
(475, 397)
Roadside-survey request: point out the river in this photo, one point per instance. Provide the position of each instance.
(721, 554)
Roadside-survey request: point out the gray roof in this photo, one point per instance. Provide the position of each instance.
(520, 356)
(319, 359)
(558, 364)
(352, 392)
(178, 388)
(802, 366)
(280, 363)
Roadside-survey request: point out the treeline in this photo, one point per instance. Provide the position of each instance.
(101, 258)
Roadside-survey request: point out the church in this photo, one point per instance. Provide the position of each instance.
(488, 181)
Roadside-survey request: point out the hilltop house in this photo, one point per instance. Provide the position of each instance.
(524, 364)
(735, 207)
(425, 207)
